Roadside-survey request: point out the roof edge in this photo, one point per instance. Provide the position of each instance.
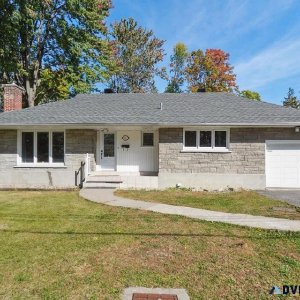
(284, 124)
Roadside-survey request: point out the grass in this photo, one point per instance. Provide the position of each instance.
(244, 202)
(56, 245)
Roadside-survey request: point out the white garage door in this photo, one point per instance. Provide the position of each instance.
(283, 164)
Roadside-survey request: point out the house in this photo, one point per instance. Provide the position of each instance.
(202, 140)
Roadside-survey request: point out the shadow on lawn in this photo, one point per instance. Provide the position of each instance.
(270, 234)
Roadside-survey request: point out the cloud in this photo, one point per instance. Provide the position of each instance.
(221, 22)
(279, 61)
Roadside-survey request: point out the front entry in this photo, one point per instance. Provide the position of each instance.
(107, 151)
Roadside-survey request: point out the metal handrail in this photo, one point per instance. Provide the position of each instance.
(81, 172)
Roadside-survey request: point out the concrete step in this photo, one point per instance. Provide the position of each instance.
(97, 185)
(100, 179)
(104, 181)
(105, 173)
(99, 188)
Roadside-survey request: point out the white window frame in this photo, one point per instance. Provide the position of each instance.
(35, 162)
(207, 149)
(142, 139)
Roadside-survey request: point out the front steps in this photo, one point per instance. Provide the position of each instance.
(103, 180)
(120, 180)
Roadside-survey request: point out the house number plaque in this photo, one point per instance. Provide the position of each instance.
(125, 138)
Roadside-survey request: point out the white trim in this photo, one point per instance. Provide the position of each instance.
(35, 163)
(213, 148)
(98, 150)
(41, 165)
(206, 151)
(19, 147)
(283, 141)
(119, 126)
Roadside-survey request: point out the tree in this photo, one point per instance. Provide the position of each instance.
(291, 100)
(65, 37)
(1, 99)
(210, 71)
(54, 85)
(250, 95)
(137, 53)
(177, 65)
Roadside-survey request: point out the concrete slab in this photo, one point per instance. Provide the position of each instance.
(180, 293)
(106, 196)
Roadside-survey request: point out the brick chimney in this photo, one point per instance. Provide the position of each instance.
(12, 97)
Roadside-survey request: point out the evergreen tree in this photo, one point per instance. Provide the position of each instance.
(291, 100)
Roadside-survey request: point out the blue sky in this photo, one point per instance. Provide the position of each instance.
(262, 36)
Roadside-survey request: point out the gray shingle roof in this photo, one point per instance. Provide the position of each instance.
(178, 109)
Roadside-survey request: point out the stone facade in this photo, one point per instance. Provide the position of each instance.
(243, 166)
(8, 149)
(78, 144)
(246, 156)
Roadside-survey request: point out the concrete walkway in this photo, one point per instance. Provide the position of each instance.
(106, 196)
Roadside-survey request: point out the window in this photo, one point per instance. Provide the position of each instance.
(109, 145)
(220, 139)
(148, 139)
(42, 147)
(190, 139)
(27, 147)
(206, 140)
(58, 141)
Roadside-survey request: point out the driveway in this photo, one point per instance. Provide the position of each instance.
(288, 195)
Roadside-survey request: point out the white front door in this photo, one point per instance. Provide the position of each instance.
(107, 151)
(283, 164)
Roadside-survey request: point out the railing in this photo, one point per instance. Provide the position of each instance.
(81, 172)
(87, 164)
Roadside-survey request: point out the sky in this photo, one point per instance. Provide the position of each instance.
(261, 36)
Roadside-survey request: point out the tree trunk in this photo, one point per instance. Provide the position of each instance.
(30, 92)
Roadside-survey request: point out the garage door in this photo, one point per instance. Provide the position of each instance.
(283, 164)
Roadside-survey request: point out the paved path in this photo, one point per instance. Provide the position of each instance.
(291, 196)
(106, 196)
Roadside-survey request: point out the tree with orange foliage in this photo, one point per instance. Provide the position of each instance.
(211, 72)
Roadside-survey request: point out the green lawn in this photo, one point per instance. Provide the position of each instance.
(244, 202)
(55, 245)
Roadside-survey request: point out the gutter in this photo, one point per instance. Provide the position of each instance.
(163, 125)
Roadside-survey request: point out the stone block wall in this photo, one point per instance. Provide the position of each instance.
(79, 142)
(8, 149)
(246, 156)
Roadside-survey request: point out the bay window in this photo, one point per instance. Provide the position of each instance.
(42, 147)
(206, 140)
